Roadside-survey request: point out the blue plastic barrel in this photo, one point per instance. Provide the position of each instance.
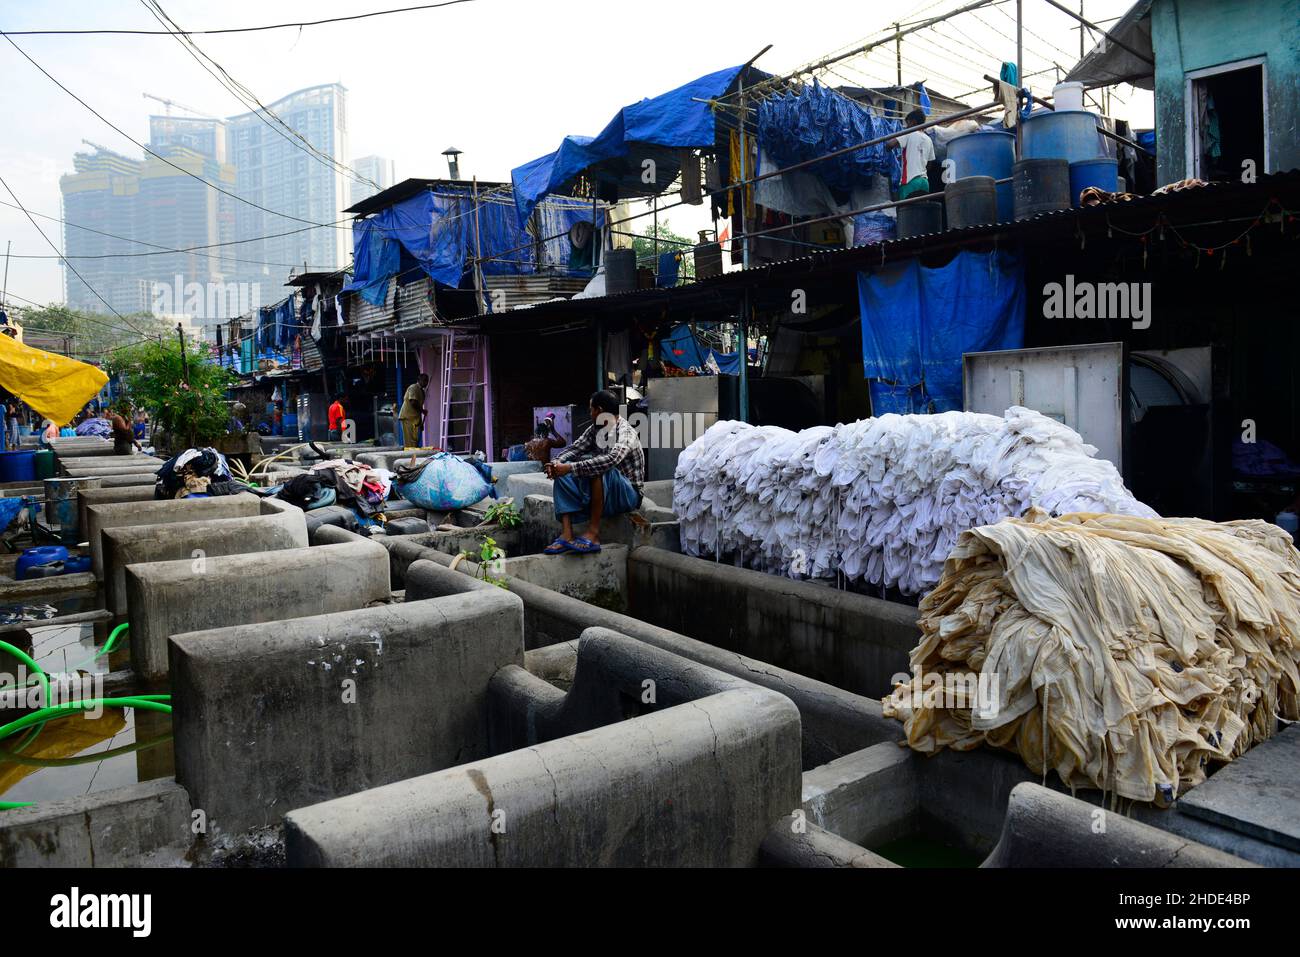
(1102, 173)
(1070, 135)
(18, 466)
(986, 153)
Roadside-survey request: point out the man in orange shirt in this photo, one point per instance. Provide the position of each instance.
(337, 416)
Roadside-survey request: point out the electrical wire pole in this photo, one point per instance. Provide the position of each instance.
(898, 51)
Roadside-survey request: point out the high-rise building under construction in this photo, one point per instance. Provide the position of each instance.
(178, 239)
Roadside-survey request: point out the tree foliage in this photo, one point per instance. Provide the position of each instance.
(92, 336)
(669, 242)
(195, 414)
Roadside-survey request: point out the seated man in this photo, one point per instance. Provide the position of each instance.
(600, 474)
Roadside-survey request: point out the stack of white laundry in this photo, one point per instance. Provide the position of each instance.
(881, 500)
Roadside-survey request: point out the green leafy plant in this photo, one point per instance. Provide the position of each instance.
(503, 513)
(669, 242)
(490, 556)
(83, 336)
(192, 413)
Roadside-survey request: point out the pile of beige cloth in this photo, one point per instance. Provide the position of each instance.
(1125, 653)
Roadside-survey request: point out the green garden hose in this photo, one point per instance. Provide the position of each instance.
(147, 702)
(108, 646)
(36, 720)
(41, 676)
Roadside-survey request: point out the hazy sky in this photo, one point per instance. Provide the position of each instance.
(502, 80)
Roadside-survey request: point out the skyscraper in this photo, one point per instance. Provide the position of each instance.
(180, 211)
(274, 170)
(155, 202)
(101, 195)
(381, 171)
(171, 202)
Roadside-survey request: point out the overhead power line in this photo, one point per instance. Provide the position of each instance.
(111, 125)
(249, 99)
(164, 250)
(270, 26)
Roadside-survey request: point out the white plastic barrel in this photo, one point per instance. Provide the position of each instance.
(1068, 96)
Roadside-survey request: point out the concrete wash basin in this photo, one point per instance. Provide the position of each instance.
(173, 597)
(954, 805)
(695, 777)
(276, 525)
(160, 512)
(982, 808)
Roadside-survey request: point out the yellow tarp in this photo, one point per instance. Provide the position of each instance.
(55, 386)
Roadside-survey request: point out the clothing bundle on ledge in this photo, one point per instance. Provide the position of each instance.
(193, 472)
(881, 500)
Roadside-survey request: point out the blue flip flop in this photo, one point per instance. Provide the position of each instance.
(558, 547)
(584, 546)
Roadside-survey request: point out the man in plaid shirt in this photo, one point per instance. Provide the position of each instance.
(600, 474)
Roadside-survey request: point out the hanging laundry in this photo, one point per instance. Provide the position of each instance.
(798, 193)
(692, 194)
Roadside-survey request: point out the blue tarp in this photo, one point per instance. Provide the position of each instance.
(917, 322)
(672, 119)
(434, 229)
(681, 349)
(794, 127)
(433, 233)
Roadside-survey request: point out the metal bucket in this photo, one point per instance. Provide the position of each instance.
(1040, 186)
(972, 201)
(61, 502)
(920, 219)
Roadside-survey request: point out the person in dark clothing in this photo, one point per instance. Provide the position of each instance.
(124, 440)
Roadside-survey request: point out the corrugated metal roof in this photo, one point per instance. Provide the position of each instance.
(1189, 206)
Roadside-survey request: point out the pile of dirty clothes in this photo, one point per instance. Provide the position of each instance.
(339, 482)
(99, 428)
(1127, 654)
(880, 500)
(196, 472)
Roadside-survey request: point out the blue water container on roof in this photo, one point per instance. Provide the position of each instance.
(1102, 173)
(986, 153)
(1070, 135)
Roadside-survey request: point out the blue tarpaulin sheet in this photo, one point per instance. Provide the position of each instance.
(917, 322)
(433, 233)
(673, 119)
(681, 348)
(433, 229)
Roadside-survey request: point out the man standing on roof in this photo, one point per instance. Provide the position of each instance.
(412, 413)
(337, 416)
(600, 474)
(918, 150)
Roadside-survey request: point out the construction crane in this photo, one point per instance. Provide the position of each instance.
(168, 104)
